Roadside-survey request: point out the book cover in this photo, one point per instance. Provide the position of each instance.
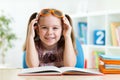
(118, 35)
(109, 57)
(113, 32)
(82, 32)
(55, 71)
(108, 71)
(105, 61)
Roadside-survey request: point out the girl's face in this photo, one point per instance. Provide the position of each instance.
(50, 30)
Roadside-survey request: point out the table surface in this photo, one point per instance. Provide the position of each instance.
(12, 74)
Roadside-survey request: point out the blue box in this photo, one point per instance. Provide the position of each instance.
(99, 37)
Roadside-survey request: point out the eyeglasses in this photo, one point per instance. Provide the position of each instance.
(46, 12)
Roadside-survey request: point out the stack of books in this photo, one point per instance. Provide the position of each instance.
(109, 64)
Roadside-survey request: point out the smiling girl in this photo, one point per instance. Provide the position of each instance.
(50, 40)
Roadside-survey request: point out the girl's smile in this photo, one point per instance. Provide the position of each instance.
(50, 39)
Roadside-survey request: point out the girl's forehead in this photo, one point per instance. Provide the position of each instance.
(50, 19)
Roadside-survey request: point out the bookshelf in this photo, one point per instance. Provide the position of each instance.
(97, 21)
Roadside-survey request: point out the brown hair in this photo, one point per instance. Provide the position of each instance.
(33, 16)
(72, 33)
(61, 42)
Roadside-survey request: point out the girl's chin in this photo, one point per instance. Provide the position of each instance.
(50, 44)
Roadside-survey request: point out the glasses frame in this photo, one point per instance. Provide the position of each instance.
(51, 11)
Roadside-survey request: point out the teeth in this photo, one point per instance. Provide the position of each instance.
(49, 38)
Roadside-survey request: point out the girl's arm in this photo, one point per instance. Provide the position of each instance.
(32, 59)
(69, 52)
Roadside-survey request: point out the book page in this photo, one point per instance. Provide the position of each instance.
(112, 66)
(77, 71)
(44, 69)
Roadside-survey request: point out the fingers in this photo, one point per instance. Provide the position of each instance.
(66, 23)
(65, 20)
(34, 23)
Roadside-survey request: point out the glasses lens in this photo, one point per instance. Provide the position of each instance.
(58, 13)
(45, 11)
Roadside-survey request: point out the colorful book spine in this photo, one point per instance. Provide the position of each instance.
(118, 35)
(108, 71)
(82, 32)
(110, 61)
(95, 58)
(113, 26)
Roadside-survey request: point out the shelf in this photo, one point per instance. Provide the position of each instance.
(97, 21)
(113, 47)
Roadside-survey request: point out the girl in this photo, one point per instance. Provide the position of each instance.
(50, 40)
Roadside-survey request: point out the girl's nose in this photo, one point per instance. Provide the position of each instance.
(50, 31)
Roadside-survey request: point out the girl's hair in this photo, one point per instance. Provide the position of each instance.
(72, 33)
(33, 16)
(61, 42)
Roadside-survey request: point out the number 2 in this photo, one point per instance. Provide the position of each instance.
(100, 35)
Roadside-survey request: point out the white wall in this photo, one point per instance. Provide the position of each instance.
(20, 11)
(102, 5)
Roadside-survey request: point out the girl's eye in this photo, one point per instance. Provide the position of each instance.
(55, 28)
(43, 27)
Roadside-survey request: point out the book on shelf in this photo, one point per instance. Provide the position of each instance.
(118, 35)
(113, 26)
(55, 71)
(82, 32)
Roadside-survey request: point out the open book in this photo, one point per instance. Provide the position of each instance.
(55, 71)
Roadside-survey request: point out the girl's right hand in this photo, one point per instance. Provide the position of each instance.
(32, 27)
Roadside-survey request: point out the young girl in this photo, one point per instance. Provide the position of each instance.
(50, 40)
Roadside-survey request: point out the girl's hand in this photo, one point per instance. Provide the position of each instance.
(32, 27)
(67, 28)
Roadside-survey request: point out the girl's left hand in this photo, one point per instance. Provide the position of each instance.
(67, 28)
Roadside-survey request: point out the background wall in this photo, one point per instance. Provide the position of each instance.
(20, 11)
